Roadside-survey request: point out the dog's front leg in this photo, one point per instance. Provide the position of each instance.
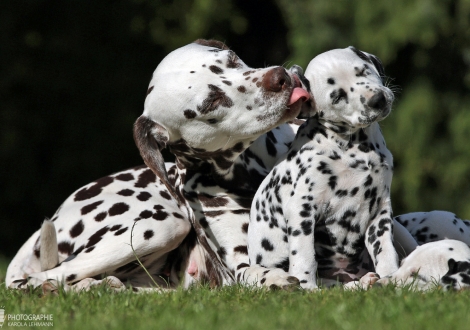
(379, 242)
(300, 214)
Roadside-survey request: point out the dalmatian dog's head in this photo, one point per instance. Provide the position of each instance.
(445, 263)
(205, 103)
(347, 88)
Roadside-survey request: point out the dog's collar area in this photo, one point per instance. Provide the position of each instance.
(339, 128)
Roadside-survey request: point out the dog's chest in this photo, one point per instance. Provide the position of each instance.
(223, 214)
(348, 185)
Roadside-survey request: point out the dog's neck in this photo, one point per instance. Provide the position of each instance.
(223, 167)
(342, 129)
(345, 136)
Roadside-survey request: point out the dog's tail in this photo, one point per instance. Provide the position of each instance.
(49, 250)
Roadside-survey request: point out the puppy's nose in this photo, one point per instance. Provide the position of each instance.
(378, 101)
(275, 79)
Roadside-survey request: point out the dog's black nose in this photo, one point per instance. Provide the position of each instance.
(378, 101)
(275, 79)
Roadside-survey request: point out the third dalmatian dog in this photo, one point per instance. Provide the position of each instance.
(325, 209)
(207, 107)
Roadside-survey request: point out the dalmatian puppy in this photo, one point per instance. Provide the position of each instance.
(433, 226)
(445, 263)
(207, 107)
(325, 208)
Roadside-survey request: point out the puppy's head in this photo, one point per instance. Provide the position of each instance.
(347, 88)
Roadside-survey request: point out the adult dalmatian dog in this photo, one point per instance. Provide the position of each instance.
(207, 106)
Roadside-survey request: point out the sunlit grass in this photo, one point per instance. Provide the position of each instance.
(244, 308)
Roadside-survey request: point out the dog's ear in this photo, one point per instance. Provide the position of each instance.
(150, 138)
(308, 108)
(372, 59)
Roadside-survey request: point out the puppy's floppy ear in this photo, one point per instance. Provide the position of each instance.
(308, 108)
(370, 58)
(150, 138)
(378, 65)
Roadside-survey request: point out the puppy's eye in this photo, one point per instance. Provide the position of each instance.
(212, 121)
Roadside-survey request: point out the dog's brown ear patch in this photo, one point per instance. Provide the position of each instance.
(212, 43)
(150, 138)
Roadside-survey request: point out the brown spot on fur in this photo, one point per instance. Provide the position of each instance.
(216, 98)
(213, 214)
(212, 201)
(215, 69)
(243, 249)
(245, 228)
(241, 89)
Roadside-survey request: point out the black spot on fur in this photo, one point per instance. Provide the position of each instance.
(267, 245)
(124, 177)
(90, 207)
(144, 196)
(338, 95)
(148, 234)
(120, 231)
(65, 247)
(118, 209)
(96, 237)
(71, 277)
(94, 190)
(101, 216)
(77, 229)
(126, 192)
(145, 178)
(189, 114)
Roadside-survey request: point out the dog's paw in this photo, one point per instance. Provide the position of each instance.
(276, 279)
(366, 282)
(110, 282)
(50, 287)
(20, 284)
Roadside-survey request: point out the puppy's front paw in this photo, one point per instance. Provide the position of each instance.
(279, 279)
(364, 283)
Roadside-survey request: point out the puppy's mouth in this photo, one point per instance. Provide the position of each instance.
(297, 97)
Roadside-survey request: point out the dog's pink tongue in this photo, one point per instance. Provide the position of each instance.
(297, 94)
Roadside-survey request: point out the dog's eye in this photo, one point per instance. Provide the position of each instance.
(212, 121)
(338, 95)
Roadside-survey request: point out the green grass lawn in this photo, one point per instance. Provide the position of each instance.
(242, 308)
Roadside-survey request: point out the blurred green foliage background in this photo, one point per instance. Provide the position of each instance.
(73, 77)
